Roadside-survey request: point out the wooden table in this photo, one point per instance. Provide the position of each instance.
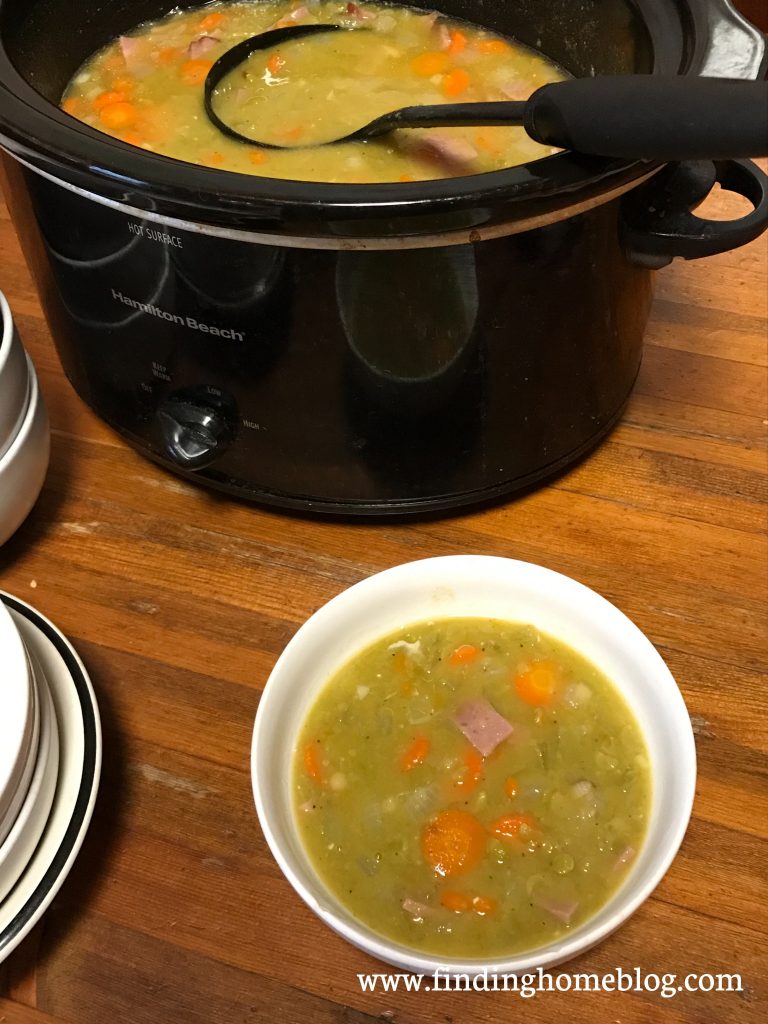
(175, 912)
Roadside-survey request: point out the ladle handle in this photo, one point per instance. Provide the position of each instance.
(652, 117)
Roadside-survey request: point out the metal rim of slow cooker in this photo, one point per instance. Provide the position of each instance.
(40, 131)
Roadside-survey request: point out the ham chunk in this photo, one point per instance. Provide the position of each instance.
(359, 14)
(134, 53)
(625, 857)
(483, 726)
(516, 89)
(199, 47)
(137, 56)
(130, 47)
(443, 35)
(449, 152)
(563, 910)
(297, 14)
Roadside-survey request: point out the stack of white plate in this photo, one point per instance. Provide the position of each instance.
(24, 433)
(50, 761)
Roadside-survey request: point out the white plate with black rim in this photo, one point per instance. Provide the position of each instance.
(17, 848)
(19, 723)
(79, 770)
(16, 798)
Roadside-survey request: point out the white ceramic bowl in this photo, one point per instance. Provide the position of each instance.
(14, 798)
(18, 724)
(20, 843)
(470, 585)
(14, 379)
(24, 465)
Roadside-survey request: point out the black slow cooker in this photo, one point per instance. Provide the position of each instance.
(361, 348)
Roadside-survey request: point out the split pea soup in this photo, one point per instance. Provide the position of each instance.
(471, 787)
(146, 88)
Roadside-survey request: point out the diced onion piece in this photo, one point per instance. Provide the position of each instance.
(577, 694)
(338, 781)
(385, 23)
(582, 788)
(415, 910)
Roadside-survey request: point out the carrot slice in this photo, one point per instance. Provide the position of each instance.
(460, 903)
(456, 901)
(458, 42)
(536, 684)
(132, 138)
(211, 21)
(123, 85)
(194, 72)
(415, 754)
(214, 159)
(511, 787)
(257, 156)
(456, 82)
(406, 177)
(465, 654)
(474, 763)
(453, 842)
(312, 764)
(275, 63)
(167, 55)
(508, 826)
(71, 106)
(118, 115)
(400, 661)
(493, 46)
(428, 64)
(105, 98)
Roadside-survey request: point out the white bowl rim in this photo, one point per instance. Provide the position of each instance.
(27, 423)
(7, 332)
(33, 814)
(13, 359)
(16, 721)
(564, 948)
(27, 764)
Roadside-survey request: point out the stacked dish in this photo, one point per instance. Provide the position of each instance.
(24, 432)
(50, 760)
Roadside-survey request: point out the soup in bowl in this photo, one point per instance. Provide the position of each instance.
(472, 764)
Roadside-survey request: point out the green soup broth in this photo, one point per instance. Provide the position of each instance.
(146, 88)
(429, 842)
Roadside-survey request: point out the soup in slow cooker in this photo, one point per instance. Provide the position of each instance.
(471, 787)
(146, 88)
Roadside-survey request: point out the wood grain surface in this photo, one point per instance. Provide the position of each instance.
(179, 601)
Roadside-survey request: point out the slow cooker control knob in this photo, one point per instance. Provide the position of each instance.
(196, 429)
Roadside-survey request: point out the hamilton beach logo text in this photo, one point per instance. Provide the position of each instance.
(174, 318)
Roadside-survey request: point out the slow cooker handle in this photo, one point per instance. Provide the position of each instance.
(658, 223)
(681, 117)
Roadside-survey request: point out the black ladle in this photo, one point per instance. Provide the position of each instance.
(628, 116)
